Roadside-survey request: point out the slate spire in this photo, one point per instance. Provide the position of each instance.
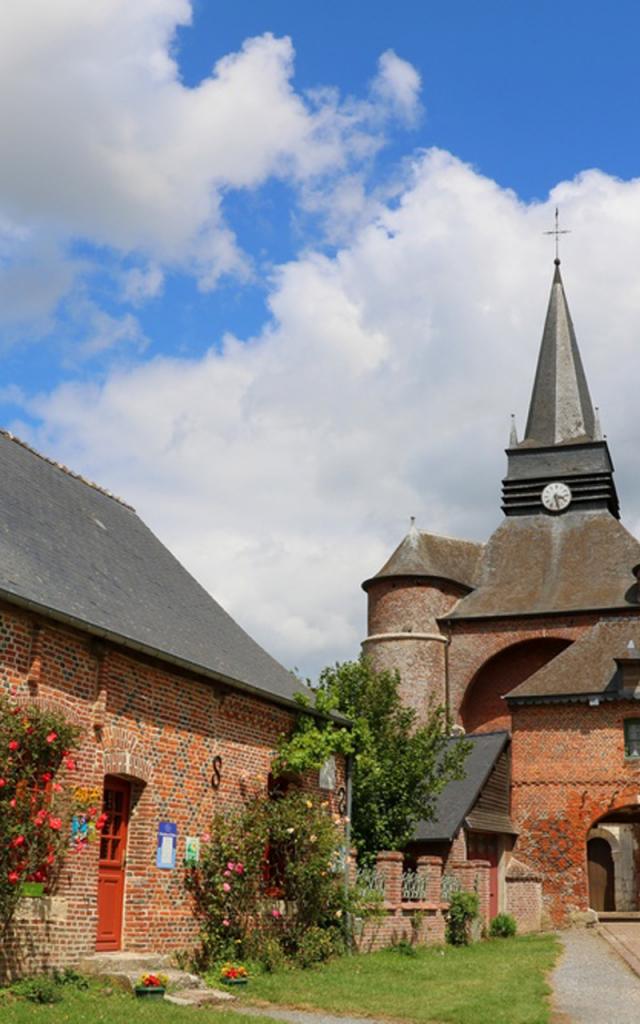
(560, 411)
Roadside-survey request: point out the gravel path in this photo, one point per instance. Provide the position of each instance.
(591, 984)
(303, 1016)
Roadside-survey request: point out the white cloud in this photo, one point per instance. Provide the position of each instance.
(283, 469)
(103, 142)
(398, 83)
(140, 284)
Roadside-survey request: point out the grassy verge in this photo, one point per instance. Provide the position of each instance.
(497, 982)
(94, 1007)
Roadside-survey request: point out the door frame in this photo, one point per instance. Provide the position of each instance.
(122, 785)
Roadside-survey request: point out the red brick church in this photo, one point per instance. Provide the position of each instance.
(532, 641)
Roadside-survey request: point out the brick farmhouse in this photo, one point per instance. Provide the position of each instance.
(532, 641)
(180, 710)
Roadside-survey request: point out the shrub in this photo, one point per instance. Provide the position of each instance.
(463, 909)
(404, 948)
(317, 945)
(68, 976)
(266, 878)
(34, 809)
(503, 926)
(41, 989)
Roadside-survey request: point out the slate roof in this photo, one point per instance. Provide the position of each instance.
(71, 550)
(428, 554)
(560, 411)
(537, 564)
(458, 798)
(586, 668)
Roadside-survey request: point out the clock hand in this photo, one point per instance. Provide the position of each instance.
(556, 498)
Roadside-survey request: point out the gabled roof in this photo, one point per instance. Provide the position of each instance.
(534, 564)
(587, 668)
(560, 411)
(70, 550)
(458, 798)
(428, 554)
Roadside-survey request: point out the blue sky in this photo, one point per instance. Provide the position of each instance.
(277, 271)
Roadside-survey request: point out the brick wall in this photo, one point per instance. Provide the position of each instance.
(160, 728)
(569, 771)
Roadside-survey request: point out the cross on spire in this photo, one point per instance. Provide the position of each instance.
(557, 232)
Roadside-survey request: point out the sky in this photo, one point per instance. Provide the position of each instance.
(276, 273)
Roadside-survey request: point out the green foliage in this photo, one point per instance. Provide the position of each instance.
(68, 976)
(398, 770)
(268, 877)
(404, 948)
(503, 926)
(317, 945)
(464, 907)
(34, 809)
(40, 989)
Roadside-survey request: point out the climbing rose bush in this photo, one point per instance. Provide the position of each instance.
(36, 760)
(269, 885)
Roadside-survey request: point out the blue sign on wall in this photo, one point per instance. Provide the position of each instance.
(167, 844)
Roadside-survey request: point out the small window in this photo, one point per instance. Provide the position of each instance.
(632, 737)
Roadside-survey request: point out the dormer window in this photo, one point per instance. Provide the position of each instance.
(632, 737)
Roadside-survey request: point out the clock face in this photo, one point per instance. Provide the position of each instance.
(556, 497)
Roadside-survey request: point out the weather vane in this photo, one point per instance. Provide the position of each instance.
(557, 232)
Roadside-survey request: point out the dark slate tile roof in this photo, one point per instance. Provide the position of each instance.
(587, 667)
(428, 554)
(70, 549)
(536, 564)
(458, 797)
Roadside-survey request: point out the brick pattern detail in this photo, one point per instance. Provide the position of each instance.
(161, 729)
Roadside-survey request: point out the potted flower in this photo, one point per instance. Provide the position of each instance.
(151, 986)
(234, 974)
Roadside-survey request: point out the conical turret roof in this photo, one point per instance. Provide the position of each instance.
(561, 411)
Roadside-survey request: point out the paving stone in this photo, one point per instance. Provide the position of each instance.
(199, 997)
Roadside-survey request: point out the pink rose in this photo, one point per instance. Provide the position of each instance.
(206, 837)
(276, 914)
(239, 869)
(226, 922)
(226, 887)
(226, 873)
(52, 737)
(231, 865)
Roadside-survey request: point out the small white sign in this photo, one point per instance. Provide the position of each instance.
(327, 777)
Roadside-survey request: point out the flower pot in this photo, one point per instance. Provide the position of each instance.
(150, 991)
(32, 889)
(234, 981)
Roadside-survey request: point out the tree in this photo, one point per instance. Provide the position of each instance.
(398, 768)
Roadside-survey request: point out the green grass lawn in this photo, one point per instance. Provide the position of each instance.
(94, 1007)
(496, 982)
(502, 981)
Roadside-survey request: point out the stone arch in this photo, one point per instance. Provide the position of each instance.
(119, 761)
(619, 827)
(483, 708)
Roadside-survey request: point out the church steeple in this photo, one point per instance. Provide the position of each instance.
(560, 411)
(562, 444)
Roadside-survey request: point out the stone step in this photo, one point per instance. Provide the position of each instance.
(199, 997)
(124, 969)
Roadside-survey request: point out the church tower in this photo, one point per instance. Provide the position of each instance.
(563, 460)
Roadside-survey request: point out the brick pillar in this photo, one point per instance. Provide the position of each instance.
(389, 864)
(473, 875)
(431, 869)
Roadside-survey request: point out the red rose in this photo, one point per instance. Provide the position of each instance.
(70, 764)
(13, 877)
(18, 841)
(13, 744)
(52, 737)
(55, 824)
(3, 782)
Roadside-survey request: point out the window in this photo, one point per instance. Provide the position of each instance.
(632, 737)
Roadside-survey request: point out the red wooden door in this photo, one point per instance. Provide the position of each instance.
(111, 865)
(484, 846)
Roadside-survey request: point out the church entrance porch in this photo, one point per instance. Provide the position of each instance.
(613, 862)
